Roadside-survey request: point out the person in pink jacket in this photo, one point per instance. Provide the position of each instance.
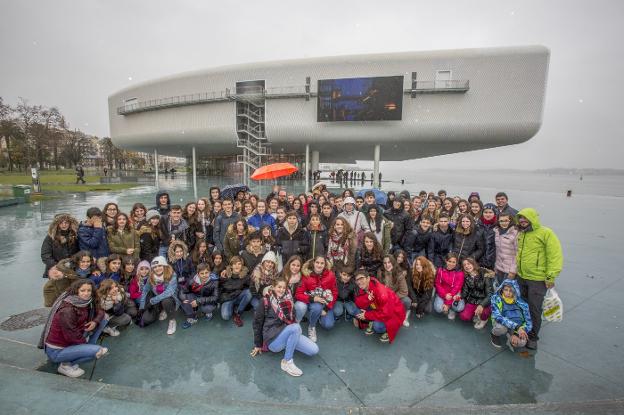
(448, 284)
(506, 238)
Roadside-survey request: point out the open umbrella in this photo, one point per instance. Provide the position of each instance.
(273, 171)
(230, 191)
(380, 197)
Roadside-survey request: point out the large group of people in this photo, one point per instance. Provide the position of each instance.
(317, 258)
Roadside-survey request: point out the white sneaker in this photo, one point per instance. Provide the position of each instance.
(406, 321)
(451, 315)
(311, 334)
(480, 324)
(289, 367)
(162, 316)
(172, 327)
(72, 371)
(111, 331)
(101, 353)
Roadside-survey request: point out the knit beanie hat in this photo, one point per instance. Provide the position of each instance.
(270, 256)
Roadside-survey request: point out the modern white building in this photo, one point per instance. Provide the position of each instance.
(341, 108)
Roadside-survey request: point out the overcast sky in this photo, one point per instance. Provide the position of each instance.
(73, 54)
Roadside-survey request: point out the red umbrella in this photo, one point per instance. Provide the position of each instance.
(273, 171)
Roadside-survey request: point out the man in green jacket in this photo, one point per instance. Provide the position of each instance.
(539, 262)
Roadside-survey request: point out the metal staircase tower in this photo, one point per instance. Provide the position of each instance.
(251, 134)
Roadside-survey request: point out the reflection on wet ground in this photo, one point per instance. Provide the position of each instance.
(434, 362)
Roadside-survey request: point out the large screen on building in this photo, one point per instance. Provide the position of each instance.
(360, 99)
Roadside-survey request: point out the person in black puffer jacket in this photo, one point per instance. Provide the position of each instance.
(487, 222)
(200, 295)
(292, 239)
(417, 241)
(369, 255)
(61, 241)
(476, 292)
(468, 240)
(403, 224)
(441, 241)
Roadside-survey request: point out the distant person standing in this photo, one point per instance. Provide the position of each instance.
(80, 174)
(105, 172)
(539, 262)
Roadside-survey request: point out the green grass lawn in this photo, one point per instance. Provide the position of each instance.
(78, 188)
(44, 178)
(54, 181)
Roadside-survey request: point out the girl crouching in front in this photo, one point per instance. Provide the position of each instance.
(72, 329)
(275, 328)
(119, 309)
(158, 299)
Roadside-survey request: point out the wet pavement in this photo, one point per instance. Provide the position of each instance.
(435, 363)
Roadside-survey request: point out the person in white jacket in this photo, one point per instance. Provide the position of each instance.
(356, 219)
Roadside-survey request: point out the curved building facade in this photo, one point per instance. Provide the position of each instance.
(342, 107)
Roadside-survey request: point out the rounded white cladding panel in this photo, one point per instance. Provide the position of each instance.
(501, 104)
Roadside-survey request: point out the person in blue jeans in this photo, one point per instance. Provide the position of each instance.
(275, 328)
(73, 327)
(345, 305)
(234, 291)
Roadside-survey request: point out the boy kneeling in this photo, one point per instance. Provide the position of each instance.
(510, 316)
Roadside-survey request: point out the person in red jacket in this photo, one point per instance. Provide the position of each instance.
(448, 285)
(317, 293)
(73, 327)
(379, 306)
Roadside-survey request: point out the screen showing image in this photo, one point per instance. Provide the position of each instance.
(360, 99)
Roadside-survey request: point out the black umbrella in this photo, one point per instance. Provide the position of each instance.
(231, 190)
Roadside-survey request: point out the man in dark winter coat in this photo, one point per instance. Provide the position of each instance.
(417, 241)
(163, 203)
(441, 241)
(92, 234)
(403, 224)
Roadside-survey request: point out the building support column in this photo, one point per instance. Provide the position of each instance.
(315, 160)
(194, 174)
(307, 168)
(376, 166)
(156, 168)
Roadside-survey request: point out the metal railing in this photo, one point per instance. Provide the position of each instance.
(255, 95)
(257, 149)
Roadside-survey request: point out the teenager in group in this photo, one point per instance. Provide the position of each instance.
(122, 238)
(113, 271)
(92, 234)
(448, 284)
(402, 223)
(448, 208)
(158, 299)
(380, 227)
(463, 208)
(292, 272)
(342, 245)
(420, 286)
(262, 276)
(127, 270)
(417, 241)
(138, 216)
(327, 215)
(280, 217)
(502, 205)
(254, 250)
(380, 310)
(317, 234)
(395, 278)
(268, 240)
(345, 302)
(440, 241)
(235, 238)
(476, 209)
(317, 294)
(506, 240)
(313, 208)
(172, 228)
(234, 293)
(215, 194)
(119, 311)
(149, 236)
(83, 264)
(218, 263)
(135, 288)
(292, 239)
(200, 295)
(357, 220)
(468, 240)
(510, 316)
(60, 242)
(163, 203)
(110, 213)
(180, 262)
(476, 293)
(261, 217)
(275, 328)
(247, 210)
(222, 223)
(200, 254)
(486, 223)
(217, 208)
(431, 212)
(201, 228)
(401, 260)
(297, 207)
(73, 327)
(369, 254)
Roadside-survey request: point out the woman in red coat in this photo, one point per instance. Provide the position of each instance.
(317, 293)
(379, 305)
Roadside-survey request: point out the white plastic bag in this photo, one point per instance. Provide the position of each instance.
(552, 309)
